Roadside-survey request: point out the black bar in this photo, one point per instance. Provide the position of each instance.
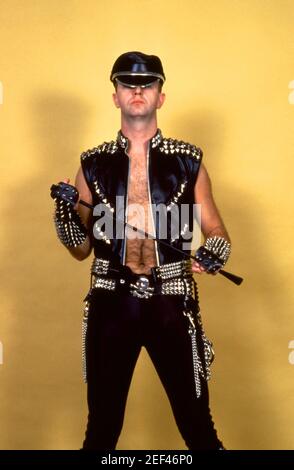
(144, 458)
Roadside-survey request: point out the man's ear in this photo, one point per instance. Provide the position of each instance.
(161, 100)
(115, 100)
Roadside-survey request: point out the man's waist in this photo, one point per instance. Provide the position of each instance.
(167, 279)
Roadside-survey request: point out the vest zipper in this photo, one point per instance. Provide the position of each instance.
(150, 204)
(126, 208)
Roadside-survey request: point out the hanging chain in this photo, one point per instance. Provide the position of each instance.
(198, 367)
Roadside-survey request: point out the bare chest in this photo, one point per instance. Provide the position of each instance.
(140, 254)
(138, 182)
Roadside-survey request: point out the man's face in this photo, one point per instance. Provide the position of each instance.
(138, 102)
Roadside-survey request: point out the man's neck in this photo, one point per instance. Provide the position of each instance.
(138, 134)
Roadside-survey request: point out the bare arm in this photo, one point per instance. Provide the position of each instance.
(211, 221)
(82, 251)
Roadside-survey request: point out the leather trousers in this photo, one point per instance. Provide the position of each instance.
(119, 325)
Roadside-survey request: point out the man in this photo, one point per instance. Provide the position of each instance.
(142, 286)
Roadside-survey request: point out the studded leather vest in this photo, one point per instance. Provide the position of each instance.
(172, 171)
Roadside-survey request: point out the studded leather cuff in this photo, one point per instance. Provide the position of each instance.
(219, 247)
(69, 226)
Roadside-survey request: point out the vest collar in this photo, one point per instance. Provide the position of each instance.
(154, 141)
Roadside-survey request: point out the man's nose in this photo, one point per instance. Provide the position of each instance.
(138, 90)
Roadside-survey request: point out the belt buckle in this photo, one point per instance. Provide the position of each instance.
(141, 288)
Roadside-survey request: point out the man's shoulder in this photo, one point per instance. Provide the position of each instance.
(170, 146)
(104, 148)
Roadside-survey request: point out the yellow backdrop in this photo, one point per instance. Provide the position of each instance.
(229, 68)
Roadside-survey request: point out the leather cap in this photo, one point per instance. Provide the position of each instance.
(137, 69)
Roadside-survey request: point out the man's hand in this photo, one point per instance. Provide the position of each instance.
(212, 256)
(197, 268)
(63, 191)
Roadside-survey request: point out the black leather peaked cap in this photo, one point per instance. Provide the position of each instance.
(136, 68)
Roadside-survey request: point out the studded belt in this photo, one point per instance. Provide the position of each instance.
(168, 279)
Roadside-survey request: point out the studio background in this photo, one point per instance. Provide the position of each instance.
(229, 68)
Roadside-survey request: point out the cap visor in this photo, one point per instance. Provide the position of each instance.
(136, 79)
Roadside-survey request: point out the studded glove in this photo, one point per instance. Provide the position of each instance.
(69, 227)
(214, 254)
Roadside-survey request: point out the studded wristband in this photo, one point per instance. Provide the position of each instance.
(219, 247)
(214, 254)
(69, 227)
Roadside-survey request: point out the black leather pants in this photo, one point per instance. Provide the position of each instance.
(118, 326)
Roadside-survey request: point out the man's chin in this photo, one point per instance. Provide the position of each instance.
(137, 115)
